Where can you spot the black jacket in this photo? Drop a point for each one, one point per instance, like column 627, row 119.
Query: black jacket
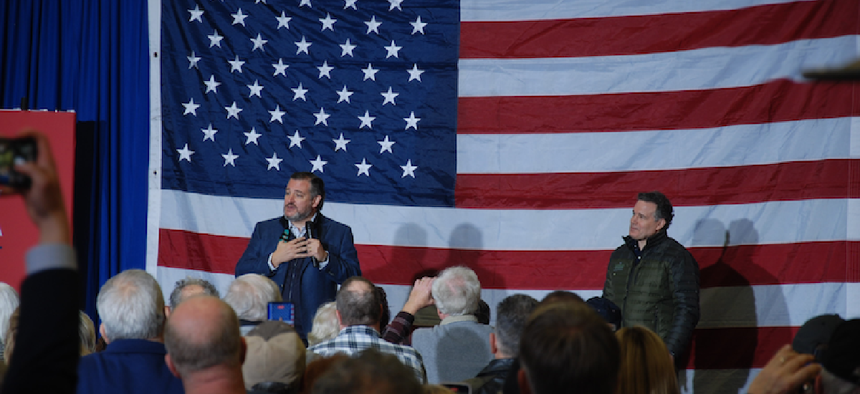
column 659, row 291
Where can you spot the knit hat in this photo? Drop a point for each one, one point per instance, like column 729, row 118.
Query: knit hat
column 815, row 332
column 842, row 357
column 275, row 354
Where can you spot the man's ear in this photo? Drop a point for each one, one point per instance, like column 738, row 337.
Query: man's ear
column 166, row 311
column 316, row 202
column 660, row 224
column 102, row 332
column 523, row 381
column 493, row 347
column 339, row 319
column 170, row 366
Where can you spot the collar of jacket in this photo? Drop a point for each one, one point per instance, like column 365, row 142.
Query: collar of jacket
column 652, row 241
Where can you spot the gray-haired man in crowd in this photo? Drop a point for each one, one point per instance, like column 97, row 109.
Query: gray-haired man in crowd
column 187, row 288
column 131, row 307
column 459, row 347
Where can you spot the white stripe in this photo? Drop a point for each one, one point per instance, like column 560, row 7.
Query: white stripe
column 740, row 145
column 773, row 222
column 153, row 212
column 853, row 221
column 517, row 10
column 852, row 294
column 760, row 306
column 696, row 69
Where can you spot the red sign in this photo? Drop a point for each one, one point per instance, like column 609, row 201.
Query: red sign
column 17, row 232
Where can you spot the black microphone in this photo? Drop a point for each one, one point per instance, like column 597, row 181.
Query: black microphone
column 309, row 235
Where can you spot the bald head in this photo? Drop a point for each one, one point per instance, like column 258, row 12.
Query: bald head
column 202, row 332
column 358, row 303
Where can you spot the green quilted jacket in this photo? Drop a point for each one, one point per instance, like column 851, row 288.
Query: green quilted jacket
column 660, row 292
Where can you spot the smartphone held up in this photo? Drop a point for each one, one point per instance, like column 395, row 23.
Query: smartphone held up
column 14, row 151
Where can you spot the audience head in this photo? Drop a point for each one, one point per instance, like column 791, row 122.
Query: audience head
column 203, row 332
column 86, row 333
column 12, row 331
column 456, row 291
column 317, row 368
column 325, row 325
column 841, row 360
column 646, row 364
column 567, row 348
column 561, row 296
column 385, row 318
column 371, row 372
column 436, row 389
column 358, row 303
column 610, row 312
column 189, row 287
column 814, row 335
column 131, row 306
column 483, row 312
column 8, row 303
column 250, row 294
column 511, row 316
column 275, row 354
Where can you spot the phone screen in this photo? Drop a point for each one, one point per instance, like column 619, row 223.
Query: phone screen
column 15, row 151
column 283, row 311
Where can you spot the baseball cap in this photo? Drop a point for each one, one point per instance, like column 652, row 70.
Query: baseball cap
column 842, row 357
column 815, row 332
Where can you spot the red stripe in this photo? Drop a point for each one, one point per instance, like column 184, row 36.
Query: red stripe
column 810, row 262
column 737, row 348
column 627, row 35
column 774, row 101
column 688, row 187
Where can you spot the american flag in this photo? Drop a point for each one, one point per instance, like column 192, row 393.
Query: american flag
column 512, row 136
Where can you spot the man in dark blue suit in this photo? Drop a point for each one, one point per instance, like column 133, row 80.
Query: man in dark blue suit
column 304, row 252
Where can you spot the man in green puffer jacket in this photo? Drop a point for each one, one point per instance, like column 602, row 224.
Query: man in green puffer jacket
column 653, row 278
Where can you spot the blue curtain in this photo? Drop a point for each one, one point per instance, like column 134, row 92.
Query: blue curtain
column 90, row 56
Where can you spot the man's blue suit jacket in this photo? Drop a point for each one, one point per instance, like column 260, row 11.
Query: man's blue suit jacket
column 318, row 286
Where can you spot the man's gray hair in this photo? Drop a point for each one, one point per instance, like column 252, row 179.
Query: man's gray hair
column 250, row 294
column 832, row 384
column 457, row 291
column 511, row 316
column 131, row 306
column 176, row 296
column 8, row 302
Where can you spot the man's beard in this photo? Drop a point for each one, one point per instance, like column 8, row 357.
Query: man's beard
column 299, row 214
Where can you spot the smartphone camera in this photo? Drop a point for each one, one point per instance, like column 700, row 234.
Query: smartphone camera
column 14, row 151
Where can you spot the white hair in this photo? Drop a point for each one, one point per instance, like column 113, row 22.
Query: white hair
column 325, row 325
column 8, row 302
column 457, row 291
column 250, row 294
column 131, row 306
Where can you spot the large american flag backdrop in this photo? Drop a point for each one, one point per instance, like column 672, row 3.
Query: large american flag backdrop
column 513, row 135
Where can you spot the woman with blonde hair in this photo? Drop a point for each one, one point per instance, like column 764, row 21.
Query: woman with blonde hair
column 646, row 364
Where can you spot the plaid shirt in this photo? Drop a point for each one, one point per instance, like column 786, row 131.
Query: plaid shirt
column 354, row 339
